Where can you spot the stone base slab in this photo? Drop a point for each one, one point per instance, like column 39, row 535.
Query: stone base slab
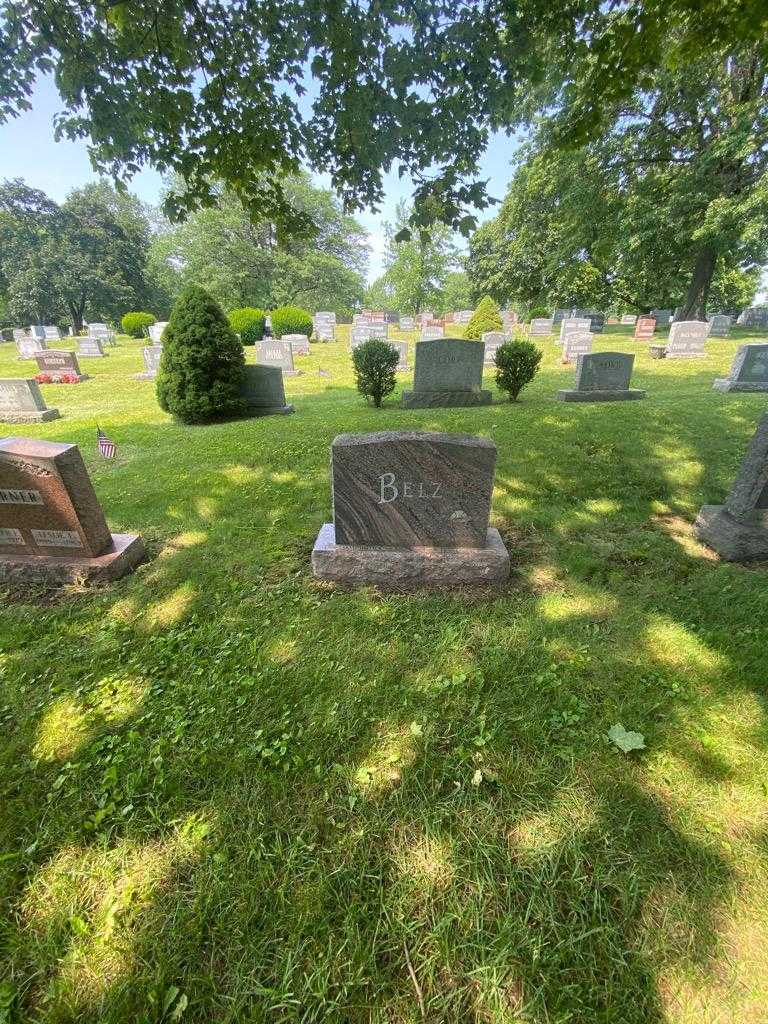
column 292, row 373
column 270, row 410
column 409, row 568
column 734, row 540
column 726, row 384
column 628, row 395
column 145, row 376
column 33, row 416
column 444, row 399
column 54, row 570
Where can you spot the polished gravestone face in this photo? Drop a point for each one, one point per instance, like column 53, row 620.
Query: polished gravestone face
column 604, row 371
column 576, row 343
column 89, row 348
column 645, row 327
column 448, row 364
column 58, row 362
column 299, row 343
column 403, row 489
column 22, row 402
column 751, row 364
column 264, row 391
column 271, row 352
column 719, row 326
column 574, row 325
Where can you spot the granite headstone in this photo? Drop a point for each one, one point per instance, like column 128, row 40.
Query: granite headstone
column 22, row 402
column 29, row 347
column 58, row 363
column 719, row 325
column 90, row 348
column 299, row 343
column 448, row 372
column 541, row 326
column 151, row 354
column 686, row 339
column 264, row 392
column 430, row 333
column 645, row 327
column 272, row 352
column 602, row 377
column 492, row 342
column 749, row 371
column 576, row 343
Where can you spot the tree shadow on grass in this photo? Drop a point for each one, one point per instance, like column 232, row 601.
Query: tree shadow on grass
column 286, row 772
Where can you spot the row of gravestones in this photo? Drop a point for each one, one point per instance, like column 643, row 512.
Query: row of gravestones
column 448, row 373
column 410, row 509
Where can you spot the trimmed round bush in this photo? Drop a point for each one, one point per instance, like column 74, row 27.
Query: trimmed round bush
column 248, row 323
column 136, row 324
column 487, row 317
column 291, row 320
column 202, row 368
column 374, row 363
column 516, row 365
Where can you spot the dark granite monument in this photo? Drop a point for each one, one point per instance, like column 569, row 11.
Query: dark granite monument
column 603, row 377
column 749, row 371
column 264, row 391
column 59, row 363
column 52, row 528
column 448, row 372
column 22, row 402
column 719, row 325
column 738, row 530
column 410, row 509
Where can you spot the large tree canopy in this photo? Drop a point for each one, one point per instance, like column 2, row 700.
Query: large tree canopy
column 672, row 197
column 215, row 91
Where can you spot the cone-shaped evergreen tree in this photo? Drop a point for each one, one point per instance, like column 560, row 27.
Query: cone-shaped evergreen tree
column 487, row 317
column 202, row 368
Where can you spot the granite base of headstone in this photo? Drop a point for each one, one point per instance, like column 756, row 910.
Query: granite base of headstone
column 749, row 371
column 264, row 391
column 410, row 511
column 448, row 372
column 52, row 528
column 738, row 530
column 602, row 377
column 22, row 402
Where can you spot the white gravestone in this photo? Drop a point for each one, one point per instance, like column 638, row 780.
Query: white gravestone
column 493, row 340
column 576, row 344
column 686, row 339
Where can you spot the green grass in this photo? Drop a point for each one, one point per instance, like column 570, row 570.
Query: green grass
column 230, row 793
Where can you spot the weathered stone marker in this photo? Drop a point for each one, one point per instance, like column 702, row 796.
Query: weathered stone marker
column 661, row 316
column 151, row 354
column 574, row 325
column 401, row 347
column 299, row 343
column 645, row 327
column 52, row 528
column 719, row 325
column 541, row 326
column 264, row 391
column 90, row 348
column 430, row 333
column 686, row 339
column 271, row 352
column 410, row 509
column 629, row 319
column 155, row 332
column 59, row 363
column 492, row 342
column 576, row 343
column 754, row 316
column 749, row 371
column 407, row 323
column 22, row 402
column 738, row 530
column 448, row 372
column 602, row 377
column 29, row 347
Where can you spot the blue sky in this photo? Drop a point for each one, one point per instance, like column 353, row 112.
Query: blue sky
column 28, row 150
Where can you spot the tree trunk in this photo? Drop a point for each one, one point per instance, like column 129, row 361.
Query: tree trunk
column 695, row 305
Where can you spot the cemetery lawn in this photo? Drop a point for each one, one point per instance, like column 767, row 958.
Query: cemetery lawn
column 230, row 793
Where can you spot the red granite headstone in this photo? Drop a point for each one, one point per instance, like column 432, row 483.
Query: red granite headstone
column 645, row 327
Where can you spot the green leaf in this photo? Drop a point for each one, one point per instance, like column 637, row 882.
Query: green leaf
column 624, row 740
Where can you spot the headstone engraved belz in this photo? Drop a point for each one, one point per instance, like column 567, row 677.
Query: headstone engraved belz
column 447, row 372
column 738, row 530
column 411, row 509
column 645, row 327
column 264, row 392
column 749, row 371
column 272, row 352
column 52, row 528
column 22, row 402
column 602, row 377
column 151, row 355
column 576, row 343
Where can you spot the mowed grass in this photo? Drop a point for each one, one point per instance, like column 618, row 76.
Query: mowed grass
column 230, row 793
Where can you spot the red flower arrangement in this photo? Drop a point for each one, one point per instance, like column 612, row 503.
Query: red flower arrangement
column 64, row 378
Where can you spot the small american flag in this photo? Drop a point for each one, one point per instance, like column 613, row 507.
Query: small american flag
column 107, row 448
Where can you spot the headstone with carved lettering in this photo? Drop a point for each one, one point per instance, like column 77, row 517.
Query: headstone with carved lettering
column 430, row 333
column 574, row 325
column 52, row 528
column 151, row 354
column 719, row 325
column 541, row 327
column 28, row 347
column 411, row 509
column 407, row 323
column 645, row 327
column 448, row 372
column 299, row 343
column 22, row 402
column 378, row 329
column 738, row 530
column 90, row 348
column 52, row 333
column 754, row 316
column 324, row 325
column 274, row 352
column 602, row 377
column 686, row 339
column 492, row 342
column 661, row 316
column 58, row 364
column 576, row 343
column 749, row 371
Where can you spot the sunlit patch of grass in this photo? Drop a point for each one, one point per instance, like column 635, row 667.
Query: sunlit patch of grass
column 172, row 608
column 677, row 646
column 393, row 751
column 425, row 859
column 572, row 811
column 282, row 650
column 61, row 731
column 187, row 539
column 559, row 607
